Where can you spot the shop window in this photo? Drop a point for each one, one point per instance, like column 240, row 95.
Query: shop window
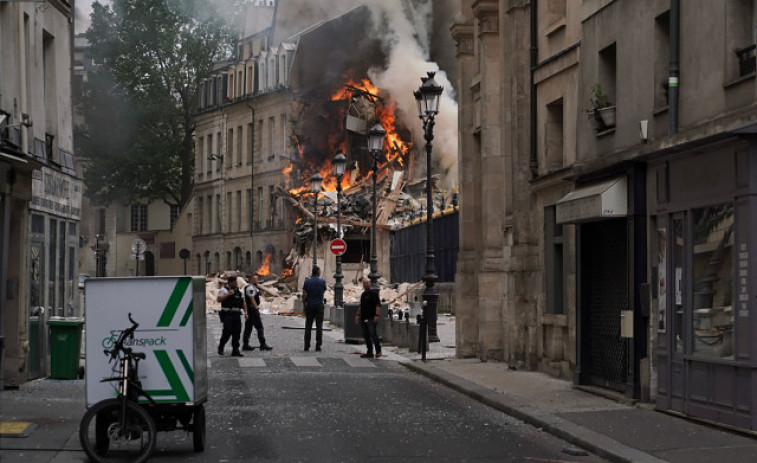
column 678, row 289
column 712, row 280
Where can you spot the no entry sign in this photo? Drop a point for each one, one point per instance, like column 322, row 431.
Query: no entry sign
column 338, row 247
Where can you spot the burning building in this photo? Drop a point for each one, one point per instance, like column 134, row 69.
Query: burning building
column 277, row 114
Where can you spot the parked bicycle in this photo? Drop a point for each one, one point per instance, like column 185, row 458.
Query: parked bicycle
column 120, row 429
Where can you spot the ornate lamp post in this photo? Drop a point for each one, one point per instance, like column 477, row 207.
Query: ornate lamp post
column 375, row 145
column 316, row 181
column 340, row 163
column 427, row 98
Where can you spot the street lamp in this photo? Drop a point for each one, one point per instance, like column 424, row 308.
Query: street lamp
column 427, row 99
column 316, row 181
column 340, row 163
column 375, row 145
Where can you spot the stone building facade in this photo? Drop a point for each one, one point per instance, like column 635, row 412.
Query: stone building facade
column 607, row 149
column 40, row 193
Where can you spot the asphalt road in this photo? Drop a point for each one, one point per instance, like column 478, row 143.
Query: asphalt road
column 332, row 406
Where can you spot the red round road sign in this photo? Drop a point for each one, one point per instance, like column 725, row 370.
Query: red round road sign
column 338, row 247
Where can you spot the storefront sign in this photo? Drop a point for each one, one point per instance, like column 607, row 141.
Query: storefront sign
column 56, row 193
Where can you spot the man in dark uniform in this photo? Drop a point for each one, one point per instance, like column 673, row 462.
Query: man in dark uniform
column 252, row 297
column 367, row 317
column 312, row 297
column 232, row 308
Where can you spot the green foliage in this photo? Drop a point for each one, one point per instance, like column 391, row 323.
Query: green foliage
column 599, row 98
column 138, row 103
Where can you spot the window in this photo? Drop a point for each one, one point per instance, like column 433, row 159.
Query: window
column 553, row 136
column 218, row 151
column 259, row 146
column 239, row 145
column 201, row 158
column 607, row 71
column 174, row 213
column 740, row 41
column 138, row 217
column 661, row 59
column 230, row 149
column 251, row 153
column 218, row 213
column 249, row 209
column 556, row 260
column 100, row 221
column 712, row 280
column 272, row 205
column 283, row 125
column 200, row 216
column 229, row 215
column 260, row 208
column 239, row 210
column 209, row 204
column 208, row 152
column 271, row 135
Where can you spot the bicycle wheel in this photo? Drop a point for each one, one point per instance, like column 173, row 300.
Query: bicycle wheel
column 105, row 440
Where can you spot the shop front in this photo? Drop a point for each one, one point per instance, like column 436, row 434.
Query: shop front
column 609, row 214
column 703, row 281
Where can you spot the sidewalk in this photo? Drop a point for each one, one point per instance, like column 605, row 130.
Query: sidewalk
column 619, row 432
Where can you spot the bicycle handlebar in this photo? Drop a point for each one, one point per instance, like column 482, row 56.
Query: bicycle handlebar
column 119, row 344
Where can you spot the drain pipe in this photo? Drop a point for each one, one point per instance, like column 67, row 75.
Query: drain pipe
column 675, row 16
column 533, row 162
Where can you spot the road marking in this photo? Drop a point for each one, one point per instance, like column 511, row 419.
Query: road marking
column 306, row 361
column 251, row 362
column 357, row 362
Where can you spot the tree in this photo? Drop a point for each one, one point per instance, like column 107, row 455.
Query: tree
column 138, row 103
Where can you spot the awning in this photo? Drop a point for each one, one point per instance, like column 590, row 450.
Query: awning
column 591, row 202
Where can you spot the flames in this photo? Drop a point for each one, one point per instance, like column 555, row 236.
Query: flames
column 395, row 149
column 265, row 267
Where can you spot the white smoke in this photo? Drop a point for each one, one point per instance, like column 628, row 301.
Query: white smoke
column 407, row 39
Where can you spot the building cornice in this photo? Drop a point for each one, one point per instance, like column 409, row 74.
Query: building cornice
column 462, row 34
column 487, row 12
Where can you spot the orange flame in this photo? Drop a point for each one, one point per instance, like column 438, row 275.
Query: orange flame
column 395, row 148
column 286, row 273
column 265, row 267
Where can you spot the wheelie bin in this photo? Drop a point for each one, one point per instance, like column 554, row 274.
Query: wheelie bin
column 65, row 346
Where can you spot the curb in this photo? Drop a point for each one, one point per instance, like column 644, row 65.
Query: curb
column 592, row 441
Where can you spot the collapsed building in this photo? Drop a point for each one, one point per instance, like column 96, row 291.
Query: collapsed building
column 277, row 114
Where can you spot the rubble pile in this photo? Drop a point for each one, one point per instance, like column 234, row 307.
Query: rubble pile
column 280, row 298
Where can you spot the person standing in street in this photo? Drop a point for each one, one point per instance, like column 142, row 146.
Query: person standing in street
column 367, row 317
column 232, row 308
column 252, row 298
column 312, row 297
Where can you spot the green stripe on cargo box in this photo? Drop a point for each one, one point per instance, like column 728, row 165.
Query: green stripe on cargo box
column 172, row 306
column 171, row 375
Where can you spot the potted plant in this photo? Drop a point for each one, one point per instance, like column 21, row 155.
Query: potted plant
column 604, row 110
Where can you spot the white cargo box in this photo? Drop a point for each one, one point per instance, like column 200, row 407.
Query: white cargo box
column 172, row 333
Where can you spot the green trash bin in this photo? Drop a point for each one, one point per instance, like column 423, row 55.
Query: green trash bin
column 65, row 345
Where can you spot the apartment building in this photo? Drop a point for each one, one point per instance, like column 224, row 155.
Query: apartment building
column 40, row 193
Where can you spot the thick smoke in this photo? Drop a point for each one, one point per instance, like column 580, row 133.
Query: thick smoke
column 404, row 28
column 406, row 39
